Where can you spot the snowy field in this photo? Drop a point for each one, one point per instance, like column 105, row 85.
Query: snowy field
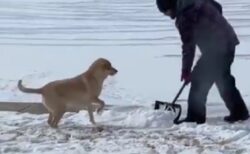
column 45, row 40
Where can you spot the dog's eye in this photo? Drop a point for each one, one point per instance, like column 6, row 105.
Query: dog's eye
column 105, row 66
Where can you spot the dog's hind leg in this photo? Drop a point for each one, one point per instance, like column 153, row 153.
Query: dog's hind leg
column 57, row 115
column 56, row 119
column 51, row 117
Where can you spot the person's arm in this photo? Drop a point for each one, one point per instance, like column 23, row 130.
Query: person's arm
column 186, row 30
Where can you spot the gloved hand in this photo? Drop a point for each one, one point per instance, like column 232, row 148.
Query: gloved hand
column 186, row 76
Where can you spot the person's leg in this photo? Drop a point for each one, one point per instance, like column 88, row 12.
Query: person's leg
column 201, row 82
column 229, row 92
column 232, row 98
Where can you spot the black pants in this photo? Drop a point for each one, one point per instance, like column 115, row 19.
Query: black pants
column 210, row 69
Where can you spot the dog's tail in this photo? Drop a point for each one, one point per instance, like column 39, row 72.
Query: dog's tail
column 28, row 90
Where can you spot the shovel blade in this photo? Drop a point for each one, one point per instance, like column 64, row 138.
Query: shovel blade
column 159, row 104
column 176, row 108
column 167, row 106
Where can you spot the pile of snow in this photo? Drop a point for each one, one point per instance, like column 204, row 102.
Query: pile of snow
column 140, row 117
column 134, row 130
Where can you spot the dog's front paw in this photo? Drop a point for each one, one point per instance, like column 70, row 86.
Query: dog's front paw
column 100, row 111
column 101, row 107
column 93, row 122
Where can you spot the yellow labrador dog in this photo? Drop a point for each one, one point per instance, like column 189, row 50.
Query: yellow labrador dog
column 74, row 94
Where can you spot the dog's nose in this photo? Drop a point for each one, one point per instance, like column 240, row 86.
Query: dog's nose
column 115, row 71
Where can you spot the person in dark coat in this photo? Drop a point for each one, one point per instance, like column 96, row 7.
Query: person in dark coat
column 201, row 23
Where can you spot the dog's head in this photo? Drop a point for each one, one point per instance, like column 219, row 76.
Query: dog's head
column 103, row 67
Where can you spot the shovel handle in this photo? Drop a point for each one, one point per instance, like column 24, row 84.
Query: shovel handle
column 179, row 92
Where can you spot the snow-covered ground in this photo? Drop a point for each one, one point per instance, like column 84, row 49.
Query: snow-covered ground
column 53, row 39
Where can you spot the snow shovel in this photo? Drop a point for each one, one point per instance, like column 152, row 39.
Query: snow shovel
column 172, row 106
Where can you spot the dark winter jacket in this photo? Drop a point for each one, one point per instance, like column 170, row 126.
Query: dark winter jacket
column 200, row 22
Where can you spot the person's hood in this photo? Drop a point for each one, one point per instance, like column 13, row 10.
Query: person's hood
column 182, row 4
